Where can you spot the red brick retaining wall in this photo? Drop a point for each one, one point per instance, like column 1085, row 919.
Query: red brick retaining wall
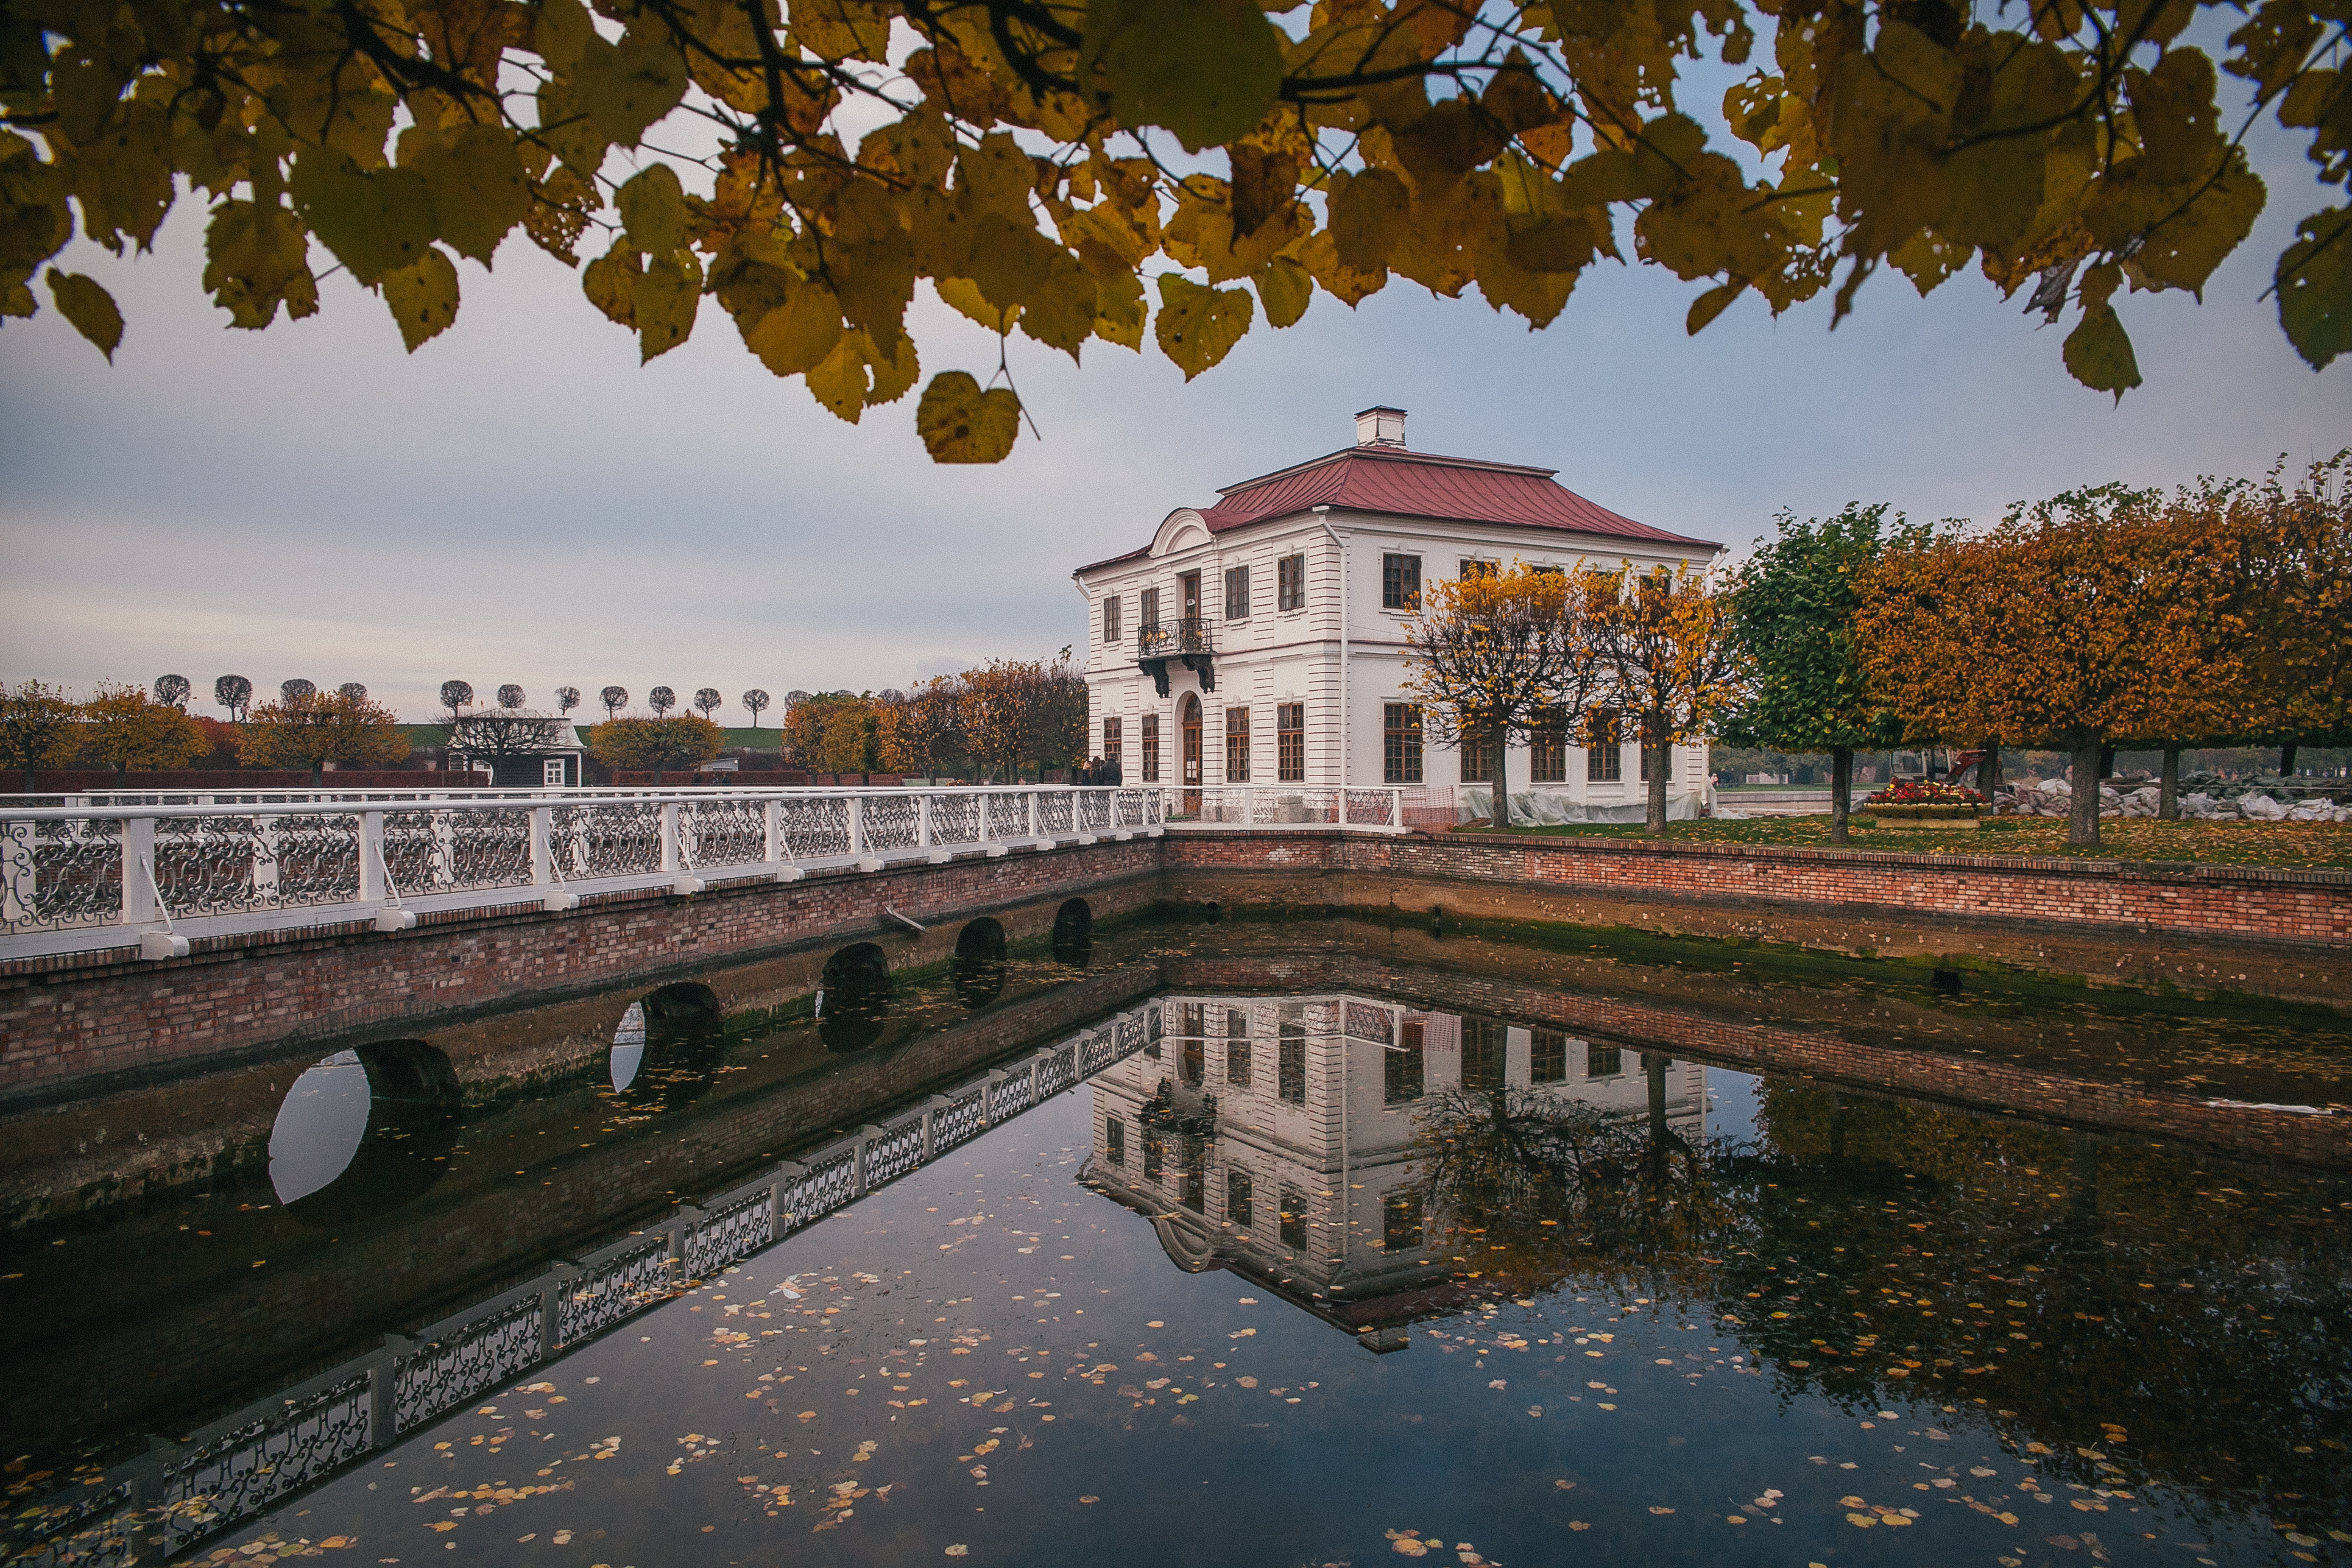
column 2228, row 901
column 94, row 1019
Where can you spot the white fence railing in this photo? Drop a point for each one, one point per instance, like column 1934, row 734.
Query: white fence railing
column 242, row 1465
column 158, row 870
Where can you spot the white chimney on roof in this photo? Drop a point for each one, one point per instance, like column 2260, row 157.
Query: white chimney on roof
column 1380, row 426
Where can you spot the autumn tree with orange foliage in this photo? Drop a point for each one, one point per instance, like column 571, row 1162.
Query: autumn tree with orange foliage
column 124, row 727
column 1665, row 642
column 2298, row 547
column 1495, row 655
column 2096, row 615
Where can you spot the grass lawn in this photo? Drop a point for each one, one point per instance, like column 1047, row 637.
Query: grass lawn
column 2293, row 844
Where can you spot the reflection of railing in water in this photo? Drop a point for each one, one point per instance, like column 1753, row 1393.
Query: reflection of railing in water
column 241, row 1465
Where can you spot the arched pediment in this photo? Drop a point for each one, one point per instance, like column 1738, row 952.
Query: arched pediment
column 1183, row 529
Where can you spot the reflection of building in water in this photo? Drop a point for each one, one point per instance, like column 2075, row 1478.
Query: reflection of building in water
column 1273, row 1135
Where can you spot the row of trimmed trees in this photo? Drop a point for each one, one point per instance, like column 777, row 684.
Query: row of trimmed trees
column 127, row 729
column 2099, row 618
column 1534, row 650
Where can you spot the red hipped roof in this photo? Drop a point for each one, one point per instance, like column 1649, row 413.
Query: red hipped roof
column 1395, row 481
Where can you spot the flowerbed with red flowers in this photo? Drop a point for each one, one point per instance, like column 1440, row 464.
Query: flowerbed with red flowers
column 1926, row 792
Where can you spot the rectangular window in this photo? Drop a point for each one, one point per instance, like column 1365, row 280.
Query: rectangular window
column 1475, row 568
column 1400, row 743
column 1293, row 1218
column 1290, row 742
column 1237, row 1063
column 1290, row 583
column 1110, row 619
column 1477, row 759
column 1546, row 1057
column 1400, row 582
column 1111, row 736
column 1669, row 754
column 1115, row 1141
column 1290, row 1064
column 1196, row 1193
column 1400, row 1221
column 1237, row 745
column 1237, row 593
column 1237, row 1196
column 1604, row 755
column 1146, row 609
column 1547, row 750
column 1548, row 570
column 1401, row 1070
column 1155, row 1156
column 1602, row 1061
column 1483, row 1046
column 1152, row 748
column 1194, row 1024
column 1195, row 1061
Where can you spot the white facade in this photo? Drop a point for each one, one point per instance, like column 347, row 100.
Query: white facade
column 1338, row 654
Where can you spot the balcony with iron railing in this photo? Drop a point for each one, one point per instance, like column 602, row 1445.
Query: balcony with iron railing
column 1165, row 639
column 1188, row 640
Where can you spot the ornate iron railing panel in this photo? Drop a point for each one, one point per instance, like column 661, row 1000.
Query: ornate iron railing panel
column 1008, row 815
column 60, row 873
column 1053, row 812
column 962, row 1118
column 1056, row 1071
column 440, row 1376
column 90, row 1527
column 1365, row 1022
column 1012, row 1094
column 892, row 822
column 742, row 1228
column 244, row 1472
column 898, row 1151
column 605, row 838
column 816, row 828
column 484, row 848
column 824, row 1186
column 731, row 831
column 613, row 1288
column 955, row 818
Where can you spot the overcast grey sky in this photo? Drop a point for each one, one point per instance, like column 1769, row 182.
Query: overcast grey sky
column 521, row 501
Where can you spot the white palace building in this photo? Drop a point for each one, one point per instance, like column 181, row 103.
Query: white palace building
column 1261, row 640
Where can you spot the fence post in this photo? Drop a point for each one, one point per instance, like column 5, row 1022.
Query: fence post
column 923, row 820
column 372, row 871
column 771, row 825
column 383, row 1390
column 552, row 1291
column 931, row 1108
column 787, row 1173
column 996, row 1076
column 542, row 861
column 138, row 870
column 669, row 836
column 682, row 1226
column 858, row 826
column 1032, row 798
column 865, row 1136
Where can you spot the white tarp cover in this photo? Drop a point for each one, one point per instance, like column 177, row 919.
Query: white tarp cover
column 1548, row 808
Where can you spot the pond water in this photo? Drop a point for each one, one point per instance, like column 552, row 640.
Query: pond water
column 1373, row 1254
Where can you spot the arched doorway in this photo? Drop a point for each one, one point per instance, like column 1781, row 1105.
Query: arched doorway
column 1188, row 718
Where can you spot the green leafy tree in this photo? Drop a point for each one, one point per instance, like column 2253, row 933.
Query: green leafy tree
column 1792, row 608
column 1170, row 169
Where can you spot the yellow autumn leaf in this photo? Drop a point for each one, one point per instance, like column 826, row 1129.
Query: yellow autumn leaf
column 423, row 298
column 1198, row 326
column 960, row 424
column 85, row 302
